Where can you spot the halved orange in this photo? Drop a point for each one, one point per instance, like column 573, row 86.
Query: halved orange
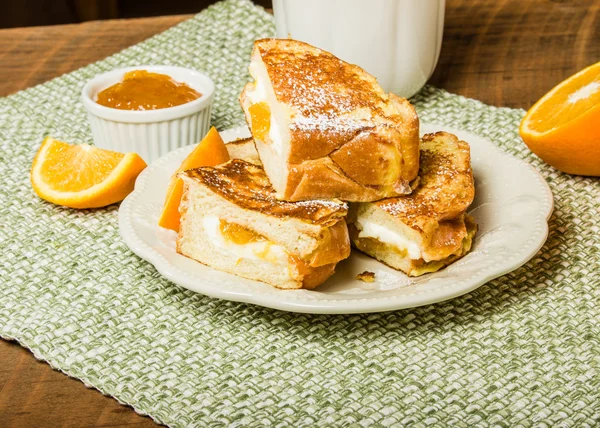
column 83, row 176
column 563, row 127
column 210, row 151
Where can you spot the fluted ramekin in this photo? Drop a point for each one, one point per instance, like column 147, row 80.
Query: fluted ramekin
column 149, row 133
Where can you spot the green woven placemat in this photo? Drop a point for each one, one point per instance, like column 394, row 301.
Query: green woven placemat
column 522, row 350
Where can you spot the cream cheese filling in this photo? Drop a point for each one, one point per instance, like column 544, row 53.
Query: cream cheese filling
column 387, row 236
column 259, row 250
column 277, row 134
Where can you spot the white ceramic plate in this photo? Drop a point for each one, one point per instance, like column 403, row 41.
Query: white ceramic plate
column 512, row 206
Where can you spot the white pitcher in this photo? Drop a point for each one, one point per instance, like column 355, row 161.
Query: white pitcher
column 397, row 41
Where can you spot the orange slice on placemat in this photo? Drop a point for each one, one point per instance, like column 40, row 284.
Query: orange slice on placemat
column 210, row 152
column 83, row 176
column 563, row 127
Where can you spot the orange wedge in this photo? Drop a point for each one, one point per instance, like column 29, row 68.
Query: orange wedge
column 83, row 176
column 210, row 152
column 563, row 127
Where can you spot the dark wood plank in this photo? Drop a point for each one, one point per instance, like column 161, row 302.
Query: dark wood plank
column 29, row 56
column 511, row 52
column 34, row 395
column 504, row 52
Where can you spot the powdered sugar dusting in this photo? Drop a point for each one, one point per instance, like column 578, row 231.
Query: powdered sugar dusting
column 320, row 203
column 322, row 123
column 317, row 85
column 446, row 187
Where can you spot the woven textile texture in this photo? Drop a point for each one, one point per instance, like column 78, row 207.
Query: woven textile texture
column 522, row 350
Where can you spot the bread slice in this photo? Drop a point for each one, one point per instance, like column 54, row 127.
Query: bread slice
column 243, row 148
column 428, row 229
column 231, row 221
column 325, row 128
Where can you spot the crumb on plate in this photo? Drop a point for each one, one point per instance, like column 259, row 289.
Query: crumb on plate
column 366, row 276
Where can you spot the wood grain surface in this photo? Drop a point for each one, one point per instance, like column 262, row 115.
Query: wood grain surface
column 33, row 55
column 502, row 52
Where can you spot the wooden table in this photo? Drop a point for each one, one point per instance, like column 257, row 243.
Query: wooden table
column 504, row 52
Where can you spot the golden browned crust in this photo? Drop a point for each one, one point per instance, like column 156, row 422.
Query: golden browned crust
column 348, row 139
column 309, row 277
column 410, row 135
column 446, row 187
column 446, row 238
column 355, row 172
column 334, row 246
column 322, row 178
column 318, row 177
column 420, row 267
column 247, row 186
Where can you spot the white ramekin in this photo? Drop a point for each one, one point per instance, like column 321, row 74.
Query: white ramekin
column 149, row 133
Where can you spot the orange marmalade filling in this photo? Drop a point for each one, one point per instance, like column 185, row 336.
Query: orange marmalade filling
column 302, row 267
column 260, row 116
column 143, row 90
column 239, row 234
